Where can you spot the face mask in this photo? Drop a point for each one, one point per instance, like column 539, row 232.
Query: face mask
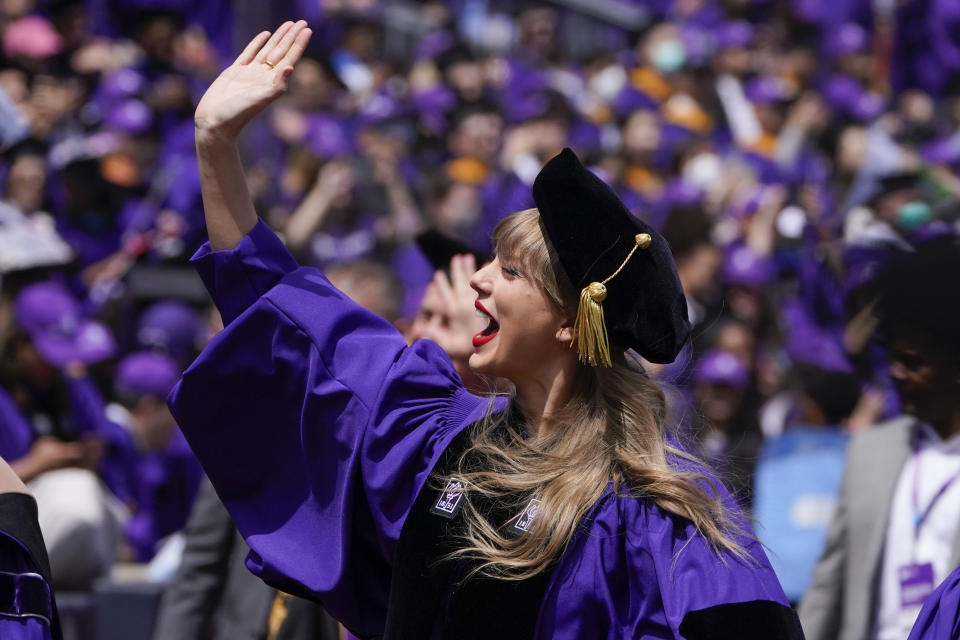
column 668, row 56
column 913, row 214
column 702, row 170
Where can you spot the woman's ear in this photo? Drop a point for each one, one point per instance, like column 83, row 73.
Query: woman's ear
column 566, row 334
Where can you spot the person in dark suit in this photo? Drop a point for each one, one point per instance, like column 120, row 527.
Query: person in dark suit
column 213, row 595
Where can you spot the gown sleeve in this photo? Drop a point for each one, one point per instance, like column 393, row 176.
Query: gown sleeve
column 316, row 424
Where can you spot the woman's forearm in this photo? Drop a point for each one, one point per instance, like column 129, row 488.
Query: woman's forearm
column 227, row 206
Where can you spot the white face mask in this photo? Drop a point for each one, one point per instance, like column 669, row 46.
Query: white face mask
column 668, row 56
column 608, row 83
column 702, row 170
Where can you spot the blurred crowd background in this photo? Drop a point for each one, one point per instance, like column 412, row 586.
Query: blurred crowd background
column 787, row 149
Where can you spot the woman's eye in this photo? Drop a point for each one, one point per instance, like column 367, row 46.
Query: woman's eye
column 510, row 271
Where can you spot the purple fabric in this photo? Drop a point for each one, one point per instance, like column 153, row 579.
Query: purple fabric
column 356, row 421
column 15, row 559
column 940, row 617
column 166, row 484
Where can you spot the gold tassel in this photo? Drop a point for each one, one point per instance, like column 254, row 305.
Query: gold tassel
column 593, row 344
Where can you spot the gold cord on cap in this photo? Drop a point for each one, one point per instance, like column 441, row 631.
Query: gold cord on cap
column 593, row 345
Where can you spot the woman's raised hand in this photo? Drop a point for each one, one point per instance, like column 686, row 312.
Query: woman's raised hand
column 255, row 79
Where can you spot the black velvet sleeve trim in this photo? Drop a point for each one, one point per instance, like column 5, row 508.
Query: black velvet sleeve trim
column 754, row 620
column 18, row 518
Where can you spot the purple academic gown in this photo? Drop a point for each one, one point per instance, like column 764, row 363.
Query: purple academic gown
column 318, row 426
column 940, row 617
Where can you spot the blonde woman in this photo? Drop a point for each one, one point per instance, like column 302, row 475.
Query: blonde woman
column 364, row 475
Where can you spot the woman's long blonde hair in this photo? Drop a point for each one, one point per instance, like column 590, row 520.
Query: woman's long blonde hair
column 611, row 430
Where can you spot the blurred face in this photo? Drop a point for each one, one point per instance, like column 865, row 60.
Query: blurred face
column 926, row 382
column 526, row 333
column 718, row 402
column 467, row 79
column 478, row 136
column 431, row 317
column 26, row 183
column 641, row 134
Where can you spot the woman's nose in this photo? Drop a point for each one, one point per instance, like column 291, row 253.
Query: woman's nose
column 480, row 281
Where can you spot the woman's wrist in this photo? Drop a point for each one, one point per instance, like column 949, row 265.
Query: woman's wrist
column 208, row 136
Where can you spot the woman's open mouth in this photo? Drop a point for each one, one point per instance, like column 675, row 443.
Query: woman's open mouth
column 490, row 332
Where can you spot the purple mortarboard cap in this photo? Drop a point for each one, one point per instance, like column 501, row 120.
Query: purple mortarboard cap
column 52, row 318
column 131, row 117
column 696, row 42
column 681, row 193
column 943, row 151
column 434, row 44
column 847, row 95
column 733, row 35
column 380, row 107
column 840, row 90
column 146, row 373
column 809, row 11
column 846, row 39
column 524, row 106
column 631, row 99
column 808, row 343
column 433, row 105
column 122, row 83
column 169, row 326
column 867, row 106
column 744, row 267
column 722, row 367
column 768, row 90
column 326, row 136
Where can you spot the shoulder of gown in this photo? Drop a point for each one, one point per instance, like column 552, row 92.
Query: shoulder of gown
column 638, row 571
column 316, row 424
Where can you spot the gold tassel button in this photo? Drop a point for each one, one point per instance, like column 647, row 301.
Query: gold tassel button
column 597, row 291
column 593, row 345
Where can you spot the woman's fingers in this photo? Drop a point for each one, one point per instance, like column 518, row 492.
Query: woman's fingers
column 276, row 57
column 247, row 55
column 296, row 50
column 272, row 42
column 462, row 268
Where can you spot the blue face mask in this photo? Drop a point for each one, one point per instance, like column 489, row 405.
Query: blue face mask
column 668, row 56
column 913, row 214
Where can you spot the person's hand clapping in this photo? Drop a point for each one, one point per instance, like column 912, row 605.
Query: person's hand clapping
column 256, row 78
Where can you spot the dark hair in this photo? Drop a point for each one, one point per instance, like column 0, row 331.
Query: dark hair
column 835, row 393
column 919, row 299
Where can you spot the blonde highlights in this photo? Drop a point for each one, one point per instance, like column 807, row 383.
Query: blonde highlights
column 611, row 431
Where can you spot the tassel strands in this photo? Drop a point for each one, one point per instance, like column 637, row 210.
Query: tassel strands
column 593, row 344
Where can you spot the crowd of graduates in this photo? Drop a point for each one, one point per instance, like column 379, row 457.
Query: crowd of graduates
column 786, row 149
